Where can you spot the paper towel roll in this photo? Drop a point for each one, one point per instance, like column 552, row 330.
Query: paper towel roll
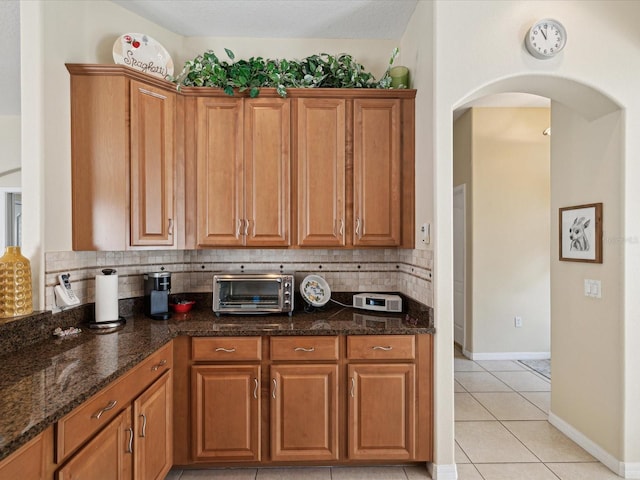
column 106, row 298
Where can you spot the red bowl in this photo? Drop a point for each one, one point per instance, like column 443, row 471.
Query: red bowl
column 182, row 307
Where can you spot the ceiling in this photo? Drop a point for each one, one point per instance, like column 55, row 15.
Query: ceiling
column 380, row 19
column 383, row 19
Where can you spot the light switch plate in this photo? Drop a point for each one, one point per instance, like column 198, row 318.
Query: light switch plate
column 592, row 288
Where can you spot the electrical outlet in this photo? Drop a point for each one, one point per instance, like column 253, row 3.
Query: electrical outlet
column 517, row 321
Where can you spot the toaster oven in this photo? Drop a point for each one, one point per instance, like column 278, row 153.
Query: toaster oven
column 253, row 293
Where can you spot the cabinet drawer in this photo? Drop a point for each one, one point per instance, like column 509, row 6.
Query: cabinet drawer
column 83, row 422
column 226, row 349
column 381, row 347
column 304, row 348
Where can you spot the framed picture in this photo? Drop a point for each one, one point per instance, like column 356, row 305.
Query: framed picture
column 581, row 233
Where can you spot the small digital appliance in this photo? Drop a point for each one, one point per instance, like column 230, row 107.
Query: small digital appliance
column 380, row 302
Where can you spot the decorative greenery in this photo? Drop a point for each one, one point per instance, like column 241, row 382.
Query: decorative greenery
column 319, row 71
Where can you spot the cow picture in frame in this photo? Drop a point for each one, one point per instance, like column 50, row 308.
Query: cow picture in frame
column 581, row 233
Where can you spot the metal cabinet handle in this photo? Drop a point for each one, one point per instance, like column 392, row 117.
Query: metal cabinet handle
column 379, row 347
column 238, row 227
column 302, row 349
column 255, row 388
column 130, row 443
column 275, row 385
column 170, row 226
column 358, row 227
column 341, row 227
column 246, row 227
column 353, row 387
column 143, row 431
column 109, row 406
column 158, row 365
column 226, row 350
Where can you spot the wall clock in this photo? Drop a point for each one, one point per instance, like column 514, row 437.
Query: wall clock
column 546, row 38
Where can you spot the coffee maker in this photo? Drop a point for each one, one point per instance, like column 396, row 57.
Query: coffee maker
column 157, row 286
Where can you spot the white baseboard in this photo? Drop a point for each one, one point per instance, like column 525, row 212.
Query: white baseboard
column 625, row 470
column 507, row 355
column 442, row 472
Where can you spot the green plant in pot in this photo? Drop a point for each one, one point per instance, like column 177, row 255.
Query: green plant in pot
column 316, row 71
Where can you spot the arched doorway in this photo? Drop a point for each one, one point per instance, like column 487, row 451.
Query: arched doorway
column 587, row 167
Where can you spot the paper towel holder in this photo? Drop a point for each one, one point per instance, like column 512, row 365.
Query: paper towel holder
column 109, row 323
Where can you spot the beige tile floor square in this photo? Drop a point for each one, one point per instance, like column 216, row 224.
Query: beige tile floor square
column 542, row 400
column 524, row 381
column 310, row 473
column 481, row 382
column 500, row 365
column 466, row 365
column 491, row 442
column 468, row 472
column 368, row 473
column 513, row 471
column 220, row 474
column 457, row 387
column 508, row 406
column 582, row 471
column 468, row 408
column 460, row 456
column 547, row 442
column 417, row 473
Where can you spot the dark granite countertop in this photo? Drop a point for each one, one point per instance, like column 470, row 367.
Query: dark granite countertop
column 47, row 377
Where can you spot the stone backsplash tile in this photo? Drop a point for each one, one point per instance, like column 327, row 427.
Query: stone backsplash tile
column 384, row 270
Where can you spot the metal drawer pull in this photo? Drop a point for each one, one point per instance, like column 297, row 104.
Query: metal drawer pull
column 157, row 366
column 386, row 349
column 353, row 387
column 255, row 388
column 275, row 385
column 143, row 433
column 302, row 349
column 226, row 350
column 109, row 406
column 130, row 445
column 170, row 231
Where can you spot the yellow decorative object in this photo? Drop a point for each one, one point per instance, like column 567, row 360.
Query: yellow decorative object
column 15, row 284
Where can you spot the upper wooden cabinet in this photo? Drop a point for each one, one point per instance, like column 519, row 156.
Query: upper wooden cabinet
column 123, row 160
column 377, row 172
column 242, row 170
column 321, row 155
column 153, row 167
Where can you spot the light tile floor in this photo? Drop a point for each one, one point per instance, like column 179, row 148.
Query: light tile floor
column 502, row 433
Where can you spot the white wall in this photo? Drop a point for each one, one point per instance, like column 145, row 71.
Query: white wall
column 9, row 150
column 471, row 60
column 510, row 223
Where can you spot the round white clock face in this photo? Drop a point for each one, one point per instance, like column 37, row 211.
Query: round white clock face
column 546, row 38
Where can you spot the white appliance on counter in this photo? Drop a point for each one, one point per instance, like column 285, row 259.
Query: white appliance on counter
column 380, row 302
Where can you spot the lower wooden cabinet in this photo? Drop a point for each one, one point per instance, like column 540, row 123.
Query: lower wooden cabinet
column 382, row 404
column 153, row 442
column 108, row 456
column 30, row 461
column 304, row 412
column 225, row 412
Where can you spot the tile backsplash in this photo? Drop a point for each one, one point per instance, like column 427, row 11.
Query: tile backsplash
column 389, row 270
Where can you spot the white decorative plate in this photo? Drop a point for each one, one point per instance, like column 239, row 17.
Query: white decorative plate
column 315, row 290
column 140, row 51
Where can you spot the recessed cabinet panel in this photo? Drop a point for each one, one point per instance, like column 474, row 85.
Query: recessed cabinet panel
column 377, row 172
column 152, row 165
column 304, row 412
column 219, row 171
column 267, row 170
column 321, row 147
column 382, row 411
column 226, row 412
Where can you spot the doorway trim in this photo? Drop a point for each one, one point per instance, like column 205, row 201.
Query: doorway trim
column 461, row 256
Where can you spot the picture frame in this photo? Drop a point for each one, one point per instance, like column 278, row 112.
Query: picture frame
column 581, row 233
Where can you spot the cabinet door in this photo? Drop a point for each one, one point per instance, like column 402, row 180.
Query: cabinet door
column 108, row 456
column 382, row 411
column 152, row 413
column 152, row 165
column 304, row 412
column 321, row 150
column 377, row 172
column 219, row 172
column 267, row 168
column 226, row 412
column 28, row 462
